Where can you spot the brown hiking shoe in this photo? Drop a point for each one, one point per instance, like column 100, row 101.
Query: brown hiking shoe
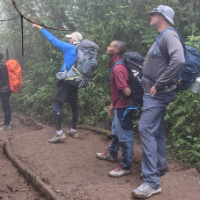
column 106, row 156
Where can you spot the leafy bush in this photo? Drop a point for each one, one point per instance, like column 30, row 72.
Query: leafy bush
column 183, row 126
column 183, row 121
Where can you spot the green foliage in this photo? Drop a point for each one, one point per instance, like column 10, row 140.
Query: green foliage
column 183, row 125
column 194, row 40
column 101, row 21
column 183, row 121
column 198, row 167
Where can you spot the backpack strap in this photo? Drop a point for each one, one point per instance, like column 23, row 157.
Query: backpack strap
column 125, row 112
column 181, row 38
column 163, row 52
column 111, row 71
column 116, row 63
column 159, row 36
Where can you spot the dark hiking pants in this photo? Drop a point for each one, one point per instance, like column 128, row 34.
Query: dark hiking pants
column 6, row 107
column 58, row 114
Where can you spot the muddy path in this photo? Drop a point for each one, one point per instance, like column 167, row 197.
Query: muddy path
column 72, row 171
column 12, row 185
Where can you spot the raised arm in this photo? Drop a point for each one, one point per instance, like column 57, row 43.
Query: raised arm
column 63, row 46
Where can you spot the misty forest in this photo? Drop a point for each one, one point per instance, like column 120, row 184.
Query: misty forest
column 101, row 21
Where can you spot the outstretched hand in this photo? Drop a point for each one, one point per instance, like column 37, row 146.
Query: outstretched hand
column 36, row 26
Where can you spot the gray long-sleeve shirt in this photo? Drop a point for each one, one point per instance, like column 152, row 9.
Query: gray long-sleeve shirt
column 156, row 70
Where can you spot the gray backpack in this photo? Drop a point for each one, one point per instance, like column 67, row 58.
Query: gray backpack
column 83, row 70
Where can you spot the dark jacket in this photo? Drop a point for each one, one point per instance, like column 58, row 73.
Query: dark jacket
column 4, row 81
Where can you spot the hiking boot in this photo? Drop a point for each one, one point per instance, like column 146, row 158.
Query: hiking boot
column 57, row 138
column 118, row 172
column 162, row 172
column 106, row 156
column 144, row 191
column 11, row 123
column 73, row 134
column 5, row 128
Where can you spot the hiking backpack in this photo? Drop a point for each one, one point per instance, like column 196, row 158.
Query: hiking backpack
column 14, row 75
column 133, row 61
column 83, row 70
column 191, row 69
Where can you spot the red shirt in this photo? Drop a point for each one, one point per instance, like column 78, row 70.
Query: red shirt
column 119, row 80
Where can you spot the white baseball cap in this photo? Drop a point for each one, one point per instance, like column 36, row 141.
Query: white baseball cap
column 76, row 36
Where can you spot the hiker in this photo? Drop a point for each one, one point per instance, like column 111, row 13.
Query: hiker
column 120, row 98
column 159, row 84
column 65, row 92
column 5, row 95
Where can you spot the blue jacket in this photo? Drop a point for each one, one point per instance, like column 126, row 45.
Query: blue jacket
column 68, row 50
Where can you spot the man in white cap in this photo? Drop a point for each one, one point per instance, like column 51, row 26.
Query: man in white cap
column 65, row 92
column 75, row 38
column 163, row 62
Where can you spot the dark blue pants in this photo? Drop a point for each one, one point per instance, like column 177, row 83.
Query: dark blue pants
column 124, row 138
column 58, row 114
column 5, row 100
column 152, row 135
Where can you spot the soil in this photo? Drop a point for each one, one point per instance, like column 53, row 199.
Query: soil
column 12, row 185
column 74, row 173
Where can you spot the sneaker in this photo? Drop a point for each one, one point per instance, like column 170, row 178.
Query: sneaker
column 5, row 128
column 11, row 123
column 118, row 172
column 73, row 134
column 144, row 191
column 106, row 156
column 162, row 172
column 57, row 138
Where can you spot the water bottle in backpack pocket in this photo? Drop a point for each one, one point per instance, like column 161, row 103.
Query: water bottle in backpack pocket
column 196, row 86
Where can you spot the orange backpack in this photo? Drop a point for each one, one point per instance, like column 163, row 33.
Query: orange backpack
column 15, row 75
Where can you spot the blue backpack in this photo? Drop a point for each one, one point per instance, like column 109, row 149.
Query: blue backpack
column 191, row 69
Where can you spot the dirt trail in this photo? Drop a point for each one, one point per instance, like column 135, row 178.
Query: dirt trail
column 73, row 171
column 12, row 185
